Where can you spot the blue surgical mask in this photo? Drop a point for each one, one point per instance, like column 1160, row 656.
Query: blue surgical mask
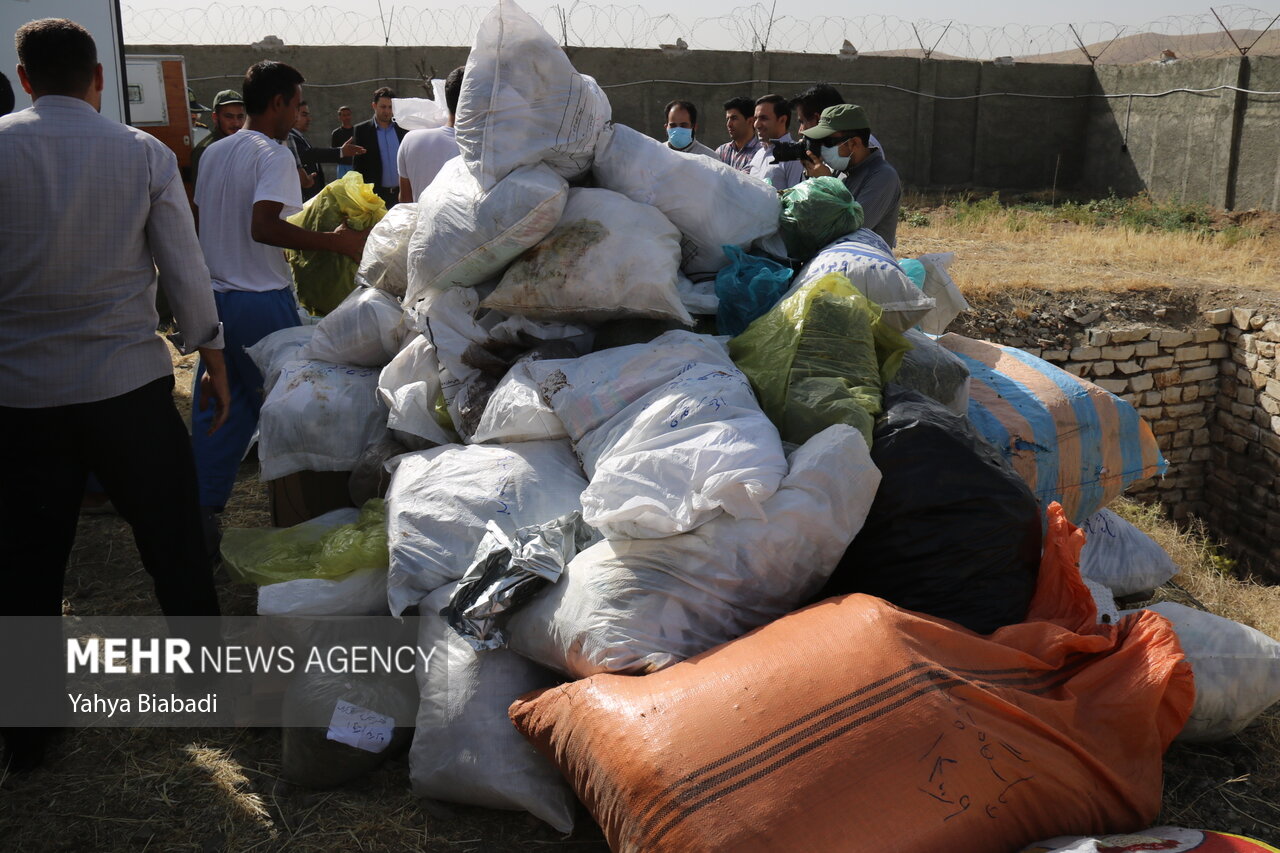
column 680, row 137
column 831, row 156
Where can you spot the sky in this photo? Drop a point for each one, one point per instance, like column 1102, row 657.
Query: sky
column 1132, row 14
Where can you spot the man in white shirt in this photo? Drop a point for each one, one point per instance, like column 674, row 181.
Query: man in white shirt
column 423, row 152
column 248, row 184
column 682, row 127
column 772, row 122
column 95, row 216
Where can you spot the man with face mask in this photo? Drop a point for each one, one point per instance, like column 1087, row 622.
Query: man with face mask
column 844, row 132
column 682, row 124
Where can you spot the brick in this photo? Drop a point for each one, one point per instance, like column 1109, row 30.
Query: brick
column 1055, row 354
column 1275, row 424
column 1131, row 398
column 1152, row 398
column 1098, row 337
column 1190, row 353
column 1195, row 422
column 1170, row 339
column 1271, row 441
column 1075, row 368
column 1218, row 349
column 1164, row 427
column 1190, row 392
column 1265, row 366
column 1202, row 362
column 1158, row 363
column 1128, row 368
column 1204, row 336
column 1146, row 348
column 1240, row 317
column 1141, row 382
column 1269, row 404
column 1185, row 410
column 1235, row 443
column 1165, row 440
column 1259, row 379
column 1201, row 454
column 1180, row 456
column 1200, row 374
column 1172, row 394
column 1266, row 349
column 1129, row 336
column 1240, row 357
column 1271, row 331
column 1240, row 410
column 1208, row 389
column 1260, row 417
column 1233, row 335
column 1102, row 368
column 1248, row 396
column 1257, row 321
column 1249, row 343
column 1115, row 386
column 1086, row 353
column 1168, row 377
column 1273, row 388
column 1121, row 353
column 1218, row 316
column 1151, row 413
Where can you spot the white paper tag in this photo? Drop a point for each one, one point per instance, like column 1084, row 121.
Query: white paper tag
column 360, row 727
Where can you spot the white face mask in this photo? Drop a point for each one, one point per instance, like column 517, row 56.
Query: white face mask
column 831, row 156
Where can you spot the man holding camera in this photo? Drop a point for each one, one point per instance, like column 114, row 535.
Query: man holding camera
column 843, row 134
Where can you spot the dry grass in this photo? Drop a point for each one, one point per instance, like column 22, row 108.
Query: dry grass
column 1023, row 249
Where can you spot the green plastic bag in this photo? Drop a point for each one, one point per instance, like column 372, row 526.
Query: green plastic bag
column 324, row 279
column 268, row 555
column 820, row 357
column 816, row 212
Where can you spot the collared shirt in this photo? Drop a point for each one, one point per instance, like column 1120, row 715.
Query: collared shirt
column 876, row 186
column 92, row 209
column 739, row 159
column 695, row 147
column 388, row 147
column 780, row 176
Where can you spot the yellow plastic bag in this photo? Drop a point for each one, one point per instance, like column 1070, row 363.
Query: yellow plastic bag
column 268, row 555
column 820, row 357
column 325, row 278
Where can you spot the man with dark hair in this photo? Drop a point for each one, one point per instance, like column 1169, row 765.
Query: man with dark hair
column 309, row 158
column 339, row 136
column 772, row 122
column 380, row 138
column 248, row 185
column 422, row 152
column 682, row 126
column 810, row 103
column 228, row 117
column 845, row 135
column 743, row 143
column 95, row 216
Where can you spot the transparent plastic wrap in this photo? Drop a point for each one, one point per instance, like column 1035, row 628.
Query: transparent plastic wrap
column 385, row 262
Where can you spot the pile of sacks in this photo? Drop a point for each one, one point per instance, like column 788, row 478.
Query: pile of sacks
column 587, row 496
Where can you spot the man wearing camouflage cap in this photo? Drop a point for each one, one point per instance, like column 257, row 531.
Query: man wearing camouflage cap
column 228, row 117
column 844, row 132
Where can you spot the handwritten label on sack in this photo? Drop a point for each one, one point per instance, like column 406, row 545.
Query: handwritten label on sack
column 360, row 727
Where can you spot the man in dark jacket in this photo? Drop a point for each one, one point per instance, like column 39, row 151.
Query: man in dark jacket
column 380, row 138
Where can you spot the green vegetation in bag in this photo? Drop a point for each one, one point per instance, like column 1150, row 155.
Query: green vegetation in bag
column 820, row 357
column 274, row 554
column 323, row 278
column 816, row 212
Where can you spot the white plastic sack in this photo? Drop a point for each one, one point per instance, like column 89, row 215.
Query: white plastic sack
column 440, row 500
column 1237, row 670
column 949, row 302
column 517, row 412
column 465, row 749
column 522, row 102
column 409, row 387
column 276, row 350
column 698, row 297
column 318, row 417
column 636, row 606
column 466, row 235
column 422, row 113
column 868, row 262
column 609, row 258
column 1121, row 557
column 934, row 371
column 385, row 262
column 365, row 330
column 712, row 203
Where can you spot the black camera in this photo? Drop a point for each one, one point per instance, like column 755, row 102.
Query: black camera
column 785, row 152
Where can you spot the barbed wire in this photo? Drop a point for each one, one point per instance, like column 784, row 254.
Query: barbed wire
column 1220, row 31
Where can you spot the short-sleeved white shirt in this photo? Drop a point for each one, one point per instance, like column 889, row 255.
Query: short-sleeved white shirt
column 235, row 173
column 422, row 153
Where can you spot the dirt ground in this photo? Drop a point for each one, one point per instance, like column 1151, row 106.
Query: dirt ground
column 220, row 789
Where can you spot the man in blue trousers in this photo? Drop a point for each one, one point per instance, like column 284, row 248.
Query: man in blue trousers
column 248, row 183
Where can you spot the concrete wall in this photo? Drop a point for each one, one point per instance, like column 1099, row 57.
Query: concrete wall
column 961, row 143
column 1221, row 147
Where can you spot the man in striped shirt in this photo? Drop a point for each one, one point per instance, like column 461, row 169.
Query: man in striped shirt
column 743, row 142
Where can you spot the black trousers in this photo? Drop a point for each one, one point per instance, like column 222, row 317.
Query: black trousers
column 138, row 447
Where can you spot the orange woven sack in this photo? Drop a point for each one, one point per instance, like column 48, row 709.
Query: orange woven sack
column 853, row 725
